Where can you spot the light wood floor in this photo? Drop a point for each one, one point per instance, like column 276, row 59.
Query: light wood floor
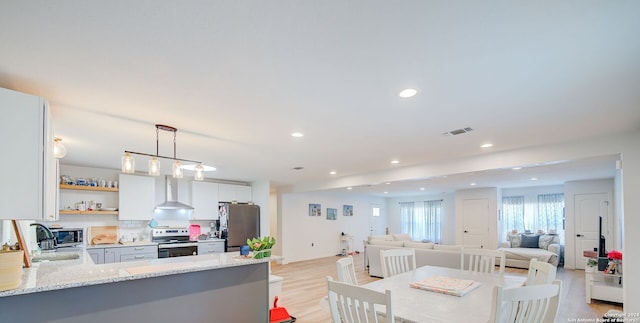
column 304, row 285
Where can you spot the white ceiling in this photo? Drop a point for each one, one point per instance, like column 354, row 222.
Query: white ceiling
column 237, row 77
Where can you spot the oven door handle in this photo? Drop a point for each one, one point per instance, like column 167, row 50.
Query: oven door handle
column 177, row 245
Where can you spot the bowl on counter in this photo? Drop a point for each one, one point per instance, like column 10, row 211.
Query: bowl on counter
column 108, row 209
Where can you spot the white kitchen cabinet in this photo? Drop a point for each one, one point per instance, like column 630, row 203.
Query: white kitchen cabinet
column 204, row 199
column 137, row 253
column 97, row 254
column 232, row 192
column 136, row 197
column 29, row 168
column 208, row 247
column 122, row 254
column 111, row 255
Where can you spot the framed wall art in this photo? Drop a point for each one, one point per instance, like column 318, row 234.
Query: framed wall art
column 347, row 210
column 332, row 214
column 315, row 210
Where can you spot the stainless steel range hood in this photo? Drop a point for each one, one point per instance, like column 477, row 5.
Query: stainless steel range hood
column 171, row 202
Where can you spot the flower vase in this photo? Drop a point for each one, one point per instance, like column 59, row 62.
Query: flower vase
column 259, row 254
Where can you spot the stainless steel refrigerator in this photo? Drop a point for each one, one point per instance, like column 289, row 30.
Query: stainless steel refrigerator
column 241, row 222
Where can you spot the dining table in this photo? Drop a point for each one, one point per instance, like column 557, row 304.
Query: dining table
column 421, row 306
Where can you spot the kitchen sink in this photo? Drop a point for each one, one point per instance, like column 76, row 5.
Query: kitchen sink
column 58, row 254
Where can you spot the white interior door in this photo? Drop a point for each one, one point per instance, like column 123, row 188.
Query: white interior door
column 476, row 222
column 588, row 207
column 377, row 220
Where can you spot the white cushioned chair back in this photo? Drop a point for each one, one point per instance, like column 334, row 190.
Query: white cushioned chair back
column 397, row 261
column 526, row 304
column 482, row 260
column 540, row 273
column 346, row 271
column 354, row 304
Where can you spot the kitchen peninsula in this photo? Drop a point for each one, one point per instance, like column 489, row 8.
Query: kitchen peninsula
column 220, row 287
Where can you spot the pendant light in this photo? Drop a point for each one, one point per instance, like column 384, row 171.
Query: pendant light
column 128, row 163
column 59, row 150
column 199, row 172
column 177, row 169
column 154, row 166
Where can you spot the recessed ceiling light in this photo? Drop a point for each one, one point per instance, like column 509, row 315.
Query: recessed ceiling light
column 333, row 172
column 407, row 93
column 388, row 183
column 473, row 184
column 534, row 178
column 395, row 161
column 349, row 188
column 386, row 192
column 517, row 168
column 422, row 188
column 486, row 146
column 297, row 134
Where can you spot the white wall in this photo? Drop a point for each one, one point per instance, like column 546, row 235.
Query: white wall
column 260, row 196
column 394, row 220
column 307, row 237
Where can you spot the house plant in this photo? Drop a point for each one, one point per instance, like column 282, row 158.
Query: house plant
column 261, row 247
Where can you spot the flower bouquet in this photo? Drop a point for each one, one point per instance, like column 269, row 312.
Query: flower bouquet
column 261, row 247
column 615, row 262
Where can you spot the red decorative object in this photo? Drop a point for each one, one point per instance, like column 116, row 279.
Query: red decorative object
column 615, row 255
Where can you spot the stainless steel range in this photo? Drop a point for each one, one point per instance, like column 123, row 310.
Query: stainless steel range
column 173, row 242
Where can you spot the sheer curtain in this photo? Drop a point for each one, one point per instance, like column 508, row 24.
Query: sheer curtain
column 432, row 216
column 422, row 221
column 551, row 213
column 406, row 217
column 513, row 214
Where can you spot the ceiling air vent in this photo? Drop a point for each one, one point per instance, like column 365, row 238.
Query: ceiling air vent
column 457, row 132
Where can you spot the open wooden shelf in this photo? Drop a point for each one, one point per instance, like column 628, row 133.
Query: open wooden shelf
column 88, row 188
column 88, row 212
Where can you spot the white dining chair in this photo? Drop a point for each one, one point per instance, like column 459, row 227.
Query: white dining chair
column 354, row 304
column 525, row 304
column 540, row 273
column 482, row 260
column 397, row 261
column 346, row 271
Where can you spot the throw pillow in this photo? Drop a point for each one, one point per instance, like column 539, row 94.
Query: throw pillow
column 401, row 237
column 387, row 237
column 546, row 240
column 529, row 241
column 514, row 240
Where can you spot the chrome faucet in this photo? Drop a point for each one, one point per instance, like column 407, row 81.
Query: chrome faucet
column 48, row 242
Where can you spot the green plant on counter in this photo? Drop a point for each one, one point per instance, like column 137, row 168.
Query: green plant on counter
column 592, row 262
column 261, row 247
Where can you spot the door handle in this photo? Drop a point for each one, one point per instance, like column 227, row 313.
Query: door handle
column 579, row 235
column 465, row 231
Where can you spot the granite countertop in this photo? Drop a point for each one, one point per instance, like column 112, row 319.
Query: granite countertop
column 212, row 240
column 120, row 245
column 53, row 275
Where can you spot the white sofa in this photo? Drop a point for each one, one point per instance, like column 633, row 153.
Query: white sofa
column 548, row 250
column 427, row 254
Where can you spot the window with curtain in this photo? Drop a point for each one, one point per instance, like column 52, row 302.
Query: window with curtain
column 422, row 220
column 513, row 213
column 433, row 215
column 406, row 216
column 551, row 213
